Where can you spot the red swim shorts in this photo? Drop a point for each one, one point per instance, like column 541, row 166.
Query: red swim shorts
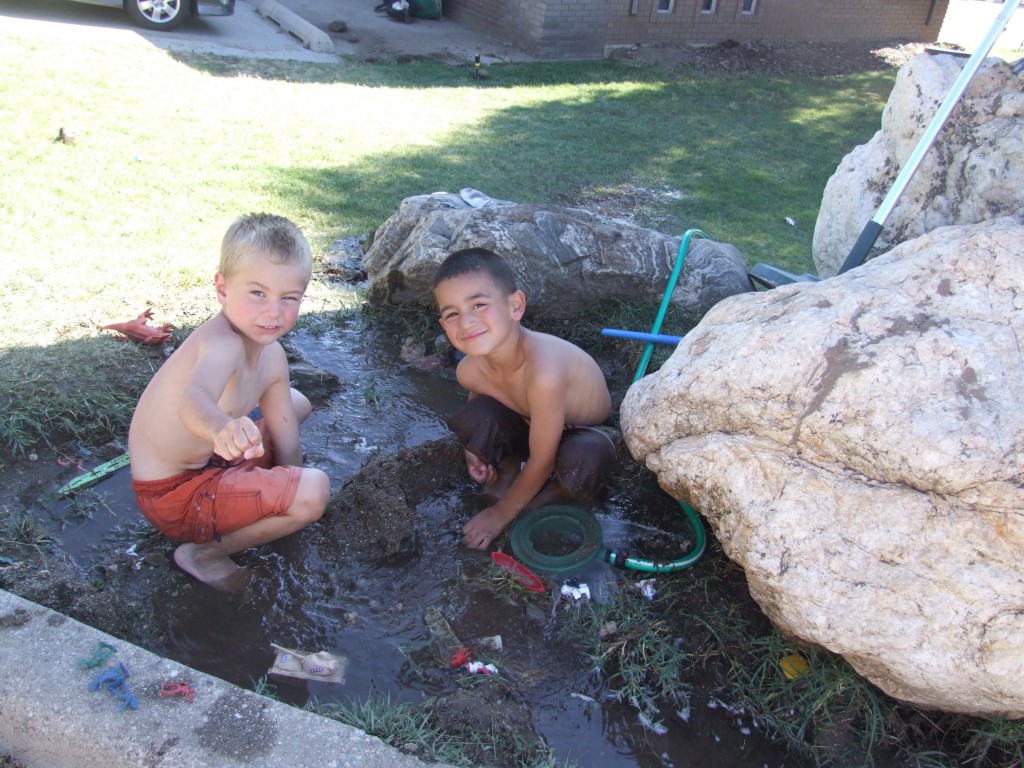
column 202, row 504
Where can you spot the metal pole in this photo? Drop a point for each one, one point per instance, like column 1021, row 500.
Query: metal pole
column 873, row 228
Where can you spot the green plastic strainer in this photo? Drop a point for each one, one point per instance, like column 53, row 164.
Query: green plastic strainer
column 557, row 538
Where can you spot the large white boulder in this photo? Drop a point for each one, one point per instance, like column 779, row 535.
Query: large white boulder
column 858, row 447
column 973, row 171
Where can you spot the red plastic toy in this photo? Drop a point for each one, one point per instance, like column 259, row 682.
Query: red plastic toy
column 179, row 688
column 461, row 656
column 522, row 574
column 140, row 330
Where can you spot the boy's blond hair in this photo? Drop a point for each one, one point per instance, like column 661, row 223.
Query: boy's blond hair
column 265, row 234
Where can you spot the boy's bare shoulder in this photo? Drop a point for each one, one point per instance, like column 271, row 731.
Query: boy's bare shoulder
column 560, row 370
column 274, row 359
column 554, row 352
column 217, row 330
column 466, row 372
column 213, row 337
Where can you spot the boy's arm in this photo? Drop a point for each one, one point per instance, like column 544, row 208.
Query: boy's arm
column 199, row 410
column 479, row 470
column 546, row 398
column 279, row 417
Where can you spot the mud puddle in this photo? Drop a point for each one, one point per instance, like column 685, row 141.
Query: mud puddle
column 360, row 582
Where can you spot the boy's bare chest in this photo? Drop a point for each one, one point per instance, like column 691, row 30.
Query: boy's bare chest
column 242, row 392
column 509, row 389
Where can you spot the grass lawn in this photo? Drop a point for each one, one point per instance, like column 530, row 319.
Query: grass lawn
column 168, row 149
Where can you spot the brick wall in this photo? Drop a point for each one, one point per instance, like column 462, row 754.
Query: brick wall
column 565, row 29
column 519, row 22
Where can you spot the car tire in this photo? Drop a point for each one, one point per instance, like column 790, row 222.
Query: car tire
column 157, row 14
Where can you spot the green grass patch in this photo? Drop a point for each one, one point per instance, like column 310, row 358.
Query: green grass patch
column 827, row 712
column 76, row 390
column 632, row 644
column 415, row 730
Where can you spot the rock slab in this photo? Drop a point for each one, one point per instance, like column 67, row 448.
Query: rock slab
column 565, row 259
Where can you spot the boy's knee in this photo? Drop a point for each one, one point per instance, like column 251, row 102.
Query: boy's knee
column 321, row 490
column 312, row 495
column 303, row 408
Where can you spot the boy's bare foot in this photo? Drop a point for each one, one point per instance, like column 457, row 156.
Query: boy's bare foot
column 239, row 583
column 485, row 526
column 210, row 567
column 552, row 493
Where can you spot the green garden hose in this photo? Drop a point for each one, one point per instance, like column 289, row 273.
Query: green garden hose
column 557, row 522
column 623, row 560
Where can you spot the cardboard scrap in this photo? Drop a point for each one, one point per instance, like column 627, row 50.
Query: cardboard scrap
column 321, row 666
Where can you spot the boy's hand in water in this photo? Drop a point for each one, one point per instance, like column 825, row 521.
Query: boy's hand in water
column 479, row 532
column 239, row 438
column 480, row 470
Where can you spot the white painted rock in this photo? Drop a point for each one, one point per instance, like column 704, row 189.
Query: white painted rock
column 974, row 170
column 858, row 447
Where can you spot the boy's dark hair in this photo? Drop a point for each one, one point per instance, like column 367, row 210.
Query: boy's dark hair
column 472, row 260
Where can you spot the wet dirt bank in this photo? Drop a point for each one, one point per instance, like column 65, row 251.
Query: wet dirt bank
column 363, row 583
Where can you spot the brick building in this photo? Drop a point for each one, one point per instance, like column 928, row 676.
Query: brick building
column 583, row 29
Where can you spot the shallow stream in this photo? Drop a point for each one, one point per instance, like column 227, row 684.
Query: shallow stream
column 374, row 615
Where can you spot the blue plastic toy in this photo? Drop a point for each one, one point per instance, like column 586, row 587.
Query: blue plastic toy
column 114, row 680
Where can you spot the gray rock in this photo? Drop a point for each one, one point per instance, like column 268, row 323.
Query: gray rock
column 565, row 259
column 315, row 383
column 856, row 445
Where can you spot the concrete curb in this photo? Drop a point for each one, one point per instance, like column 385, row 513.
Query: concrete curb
column 311, row 36
column 50, row 719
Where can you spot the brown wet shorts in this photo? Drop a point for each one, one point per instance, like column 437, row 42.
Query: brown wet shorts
column 202, row 504
column 494, row 432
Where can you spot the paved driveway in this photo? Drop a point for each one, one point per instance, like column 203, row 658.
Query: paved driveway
column 373, row 34
column 370, row 34
column 246, row 33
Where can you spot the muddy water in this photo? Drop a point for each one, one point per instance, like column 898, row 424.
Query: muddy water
column 306, row 598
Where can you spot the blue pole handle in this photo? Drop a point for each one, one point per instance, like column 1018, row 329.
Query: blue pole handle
column 655, row 338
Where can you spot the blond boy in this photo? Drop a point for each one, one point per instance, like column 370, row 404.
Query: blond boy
column 206, row 469
column 532, row 429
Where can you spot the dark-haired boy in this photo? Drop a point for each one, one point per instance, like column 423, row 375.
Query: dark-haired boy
column 533, row 429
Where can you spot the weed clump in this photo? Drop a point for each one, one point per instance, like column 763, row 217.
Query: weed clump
column 23, row 533
column 420, row 730
column 628, row 639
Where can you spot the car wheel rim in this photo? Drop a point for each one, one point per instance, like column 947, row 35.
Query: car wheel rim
column 160, row 10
